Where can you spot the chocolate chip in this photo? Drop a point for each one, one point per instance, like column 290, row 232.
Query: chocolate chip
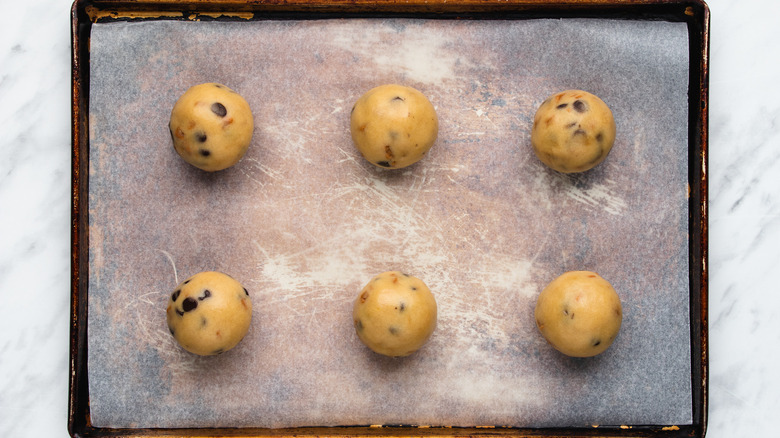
column 187, row 281
column 204, row 152
column 179, row 312
column 189, row 304
column 579, row 106
column 206, row 294
column 173, row 332
column 402, row 306
column 414, row 288
column 175, row 295
column 200, row 136
column 562, row 106
column 600, row 137
column 246, row 292
column 579, row 132
column 218, row 109
column 203, row 322
column 383, row 163
column 393, row 330
column 399, row 98
column 220, row 351
column 596, row 342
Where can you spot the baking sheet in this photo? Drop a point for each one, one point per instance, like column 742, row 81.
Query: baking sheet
column 303, row 222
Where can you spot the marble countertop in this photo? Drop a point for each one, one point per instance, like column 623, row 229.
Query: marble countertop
column 744, row 227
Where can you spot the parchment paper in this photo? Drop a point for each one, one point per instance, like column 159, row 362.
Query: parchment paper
column 304, row 222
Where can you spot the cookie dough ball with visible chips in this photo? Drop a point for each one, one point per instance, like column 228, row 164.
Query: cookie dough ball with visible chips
column 579, row 313
column 395, row 314
column 393, row 126
column 209, row 313
column 211, row 126
column 573, row 131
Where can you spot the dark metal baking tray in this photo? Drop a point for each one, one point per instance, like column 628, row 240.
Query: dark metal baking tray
column 694, row 13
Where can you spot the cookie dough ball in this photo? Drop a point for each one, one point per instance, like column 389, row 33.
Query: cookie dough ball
column 579, row 313
column 393, row 126
column 209, row 313
column 395, row 314
column 211, row 126
column 573, row 131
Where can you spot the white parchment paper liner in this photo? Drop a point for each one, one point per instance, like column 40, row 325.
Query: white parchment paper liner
column 304, row 222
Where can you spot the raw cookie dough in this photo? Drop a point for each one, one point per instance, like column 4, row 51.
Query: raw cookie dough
column 579, row 313
column 211, row 126
column 393, row 126
column 209, row 313
column 395, row 314
column 573, row 131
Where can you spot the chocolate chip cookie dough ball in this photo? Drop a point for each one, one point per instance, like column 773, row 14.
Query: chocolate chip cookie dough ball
column 209, row 313
column 393, row 126
column 395, row 314
column 573, row 131
column 211, row 126
column 579, row 313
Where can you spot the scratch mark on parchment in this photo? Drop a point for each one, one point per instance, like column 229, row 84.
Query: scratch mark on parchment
column 173, row 265
column 265, row 170
column 598, row 195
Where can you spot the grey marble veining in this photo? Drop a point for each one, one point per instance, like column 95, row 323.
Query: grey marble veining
column 35, row 200
column 744, row 219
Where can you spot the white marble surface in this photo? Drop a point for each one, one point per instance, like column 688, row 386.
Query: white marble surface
column 744, row 172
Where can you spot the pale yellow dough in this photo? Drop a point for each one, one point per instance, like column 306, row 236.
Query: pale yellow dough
column 393, row 126
column 579, row 313
column 395, row 314
column 211, row 126
column 209, row 313
column 573, row 131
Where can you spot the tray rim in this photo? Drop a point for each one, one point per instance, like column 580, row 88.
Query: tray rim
column 695, row 13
